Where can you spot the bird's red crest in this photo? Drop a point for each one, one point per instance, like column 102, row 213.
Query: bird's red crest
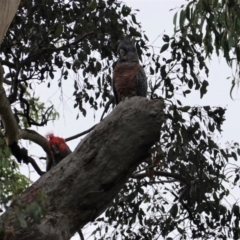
column 58, row 141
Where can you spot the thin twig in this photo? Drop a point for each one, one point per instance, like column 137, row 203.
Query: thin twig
column 80, row 234
column 90, row 129
column 161, row 174
column 80, row 134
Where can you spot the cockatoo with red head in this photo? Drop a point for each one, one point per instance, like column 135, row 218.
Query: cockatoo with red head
column 59, row 149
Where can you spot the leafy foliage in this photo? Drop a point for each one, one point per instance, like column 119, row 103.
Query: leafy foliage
column 181, row 188
column 12, row 182
column 78, row 36
column 185, row 191
column 213, row 26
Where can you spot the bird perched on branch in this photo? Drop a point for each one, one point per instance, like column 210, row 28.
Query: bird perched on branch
column 59, row 149
column 129, row 78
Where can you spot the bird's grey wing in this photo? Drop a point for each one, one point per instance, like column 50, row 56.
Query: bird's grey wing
column 142, row 83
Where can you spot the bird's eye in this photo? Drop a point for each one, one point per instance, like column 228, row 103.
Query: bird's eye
column 122, row 52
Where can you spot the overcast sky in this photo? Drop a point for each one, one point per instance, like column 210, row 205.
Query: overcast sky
column 156, row 19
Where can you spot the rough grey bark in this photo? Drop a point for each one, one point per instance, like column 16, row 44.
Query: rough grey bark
column 8, row 9
column 85, row 183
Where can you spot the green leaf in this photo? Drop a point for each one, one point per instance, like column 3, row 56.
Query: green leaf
column 179, row 103
column 134, row 18
column 51, row 75
column 151, row 70
column 185, row 109
column 211, row 127
column 203, row 89
column 175, row 19
column 190, row 84
column 92, row 5
column 233, row 85
column 174, row 210
column 146, row 38
column 186, row 92
column 68, row 65
column 126, row 10
column 58, row 30
column 234, row 156
column 166, row 38
column 163, row 71
column 235, row 210
column 236, row 179
column 182, row 18
column 164, row 47
column 134, row 32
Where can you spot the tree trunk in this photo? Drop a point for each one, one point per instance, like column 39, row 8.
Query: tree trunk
column 84, row 184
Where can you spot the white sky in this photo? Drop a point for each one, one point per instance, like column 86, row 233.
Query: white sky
column 156, row 19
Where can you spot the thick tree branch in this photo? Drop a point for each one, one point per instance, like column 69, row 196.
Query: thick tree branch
column 21, row 154
column 8, row 9
column 84, row 184
column 13, row 133
column 35, row 137
column 6, row 114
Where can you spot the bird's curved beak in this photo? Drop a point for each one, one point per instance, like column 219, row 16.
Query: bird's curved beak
column 132, row 57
